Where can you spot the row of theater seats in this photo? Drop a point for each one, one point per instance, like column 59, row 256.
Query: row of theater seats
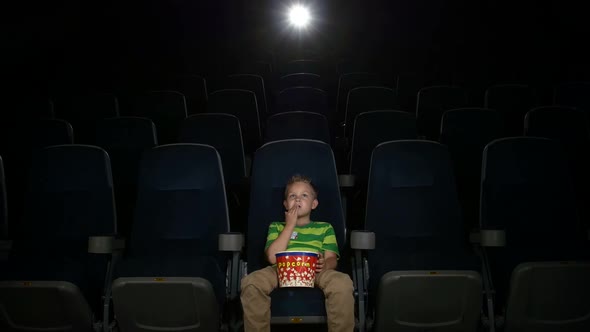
column 464, row 131
column 179, row 269
column 356, row 93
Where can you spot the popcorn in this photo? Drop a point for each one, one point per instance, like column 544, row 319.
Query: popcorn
column 296, row 269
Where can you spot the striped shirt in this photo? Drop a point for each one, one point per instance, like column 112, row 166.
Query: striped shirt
column 315, row 236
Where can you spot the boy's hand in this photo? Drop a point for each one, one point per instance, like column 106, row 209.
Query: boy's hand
column 291, row 216
column 319, row 266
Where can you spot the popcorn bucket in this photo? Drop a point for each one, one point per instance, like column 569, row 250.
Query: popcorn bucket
column 296, row 268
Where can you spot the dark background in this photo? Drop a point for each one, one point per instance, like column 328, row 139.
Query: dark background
column 59, row 45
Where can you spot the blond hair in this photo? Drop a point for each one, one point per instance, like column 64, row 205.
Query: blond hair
column 300, row 178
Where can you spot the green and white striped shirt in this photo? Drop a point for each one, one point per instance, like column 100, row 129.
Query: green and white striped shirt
column 316, row 236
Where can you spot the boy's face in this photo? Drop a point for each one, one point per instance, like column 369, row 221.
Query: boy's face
column 302, row 195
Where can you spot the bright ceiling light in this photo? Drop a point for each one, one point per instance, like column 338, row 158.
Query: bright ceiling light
column 299, row 16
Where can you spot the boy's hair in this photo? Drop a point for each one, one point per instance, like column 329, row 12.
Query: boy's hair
column 300, row 178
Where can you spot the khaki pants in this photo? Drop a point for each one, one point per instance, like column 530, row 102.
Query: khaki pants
column 337, row 288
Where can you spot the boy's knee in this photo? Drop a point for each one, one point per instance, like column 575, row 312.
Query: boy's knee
column 247, row 281
column 342, row 280
column 250, row 280
column 257, row 281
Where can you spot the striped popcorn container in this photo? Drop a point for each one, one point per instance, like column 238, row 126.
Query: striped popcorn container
column 296, row 268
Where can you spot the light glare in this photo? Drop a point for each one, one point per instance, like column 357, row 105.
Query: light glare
column 299, row 16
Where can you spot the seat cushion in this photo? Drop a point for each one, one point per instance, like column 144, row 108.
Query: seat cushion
column 297, row 302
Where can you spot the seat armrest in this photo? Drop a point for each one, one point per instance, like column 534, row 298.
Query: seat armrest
column 231, row 242
column 105, row 244
column 493, row 238
column 346, row 180
column 362, row 240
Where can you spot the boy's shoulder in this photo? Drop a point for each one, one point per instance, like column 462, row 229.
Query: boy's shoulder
column 321, row 224
column 315, row 224
column 277, row 226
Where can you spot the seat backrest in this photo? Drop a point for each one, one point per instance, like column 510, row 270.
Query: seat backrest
column 221, row 131
column 466, row 125
column 367, row 98
column 70, row 195
column 82, row 111
column 510, row 98
column 125, row 139
column 300, row 79
column 87, row 108
column 466, row 132
column 265, row 70
column 348, row 64
column 274, row 163
column 349, row 81
column 299, row 124
column 181, row 204
column 303, row 99
column 194, row 88
column 27, row 108
column 250, row 82
column 412, row 200
column 128, row 132
column 573, row 94
column 568, row 126
column 375, row 127
column 564, row 124
column 49, row 132
column 69, row 199
column 432, row 102
column 258, row 67
column 304, row 66
column 166, row 108
column 243, row 105
column 513, row 101
column 526, row 190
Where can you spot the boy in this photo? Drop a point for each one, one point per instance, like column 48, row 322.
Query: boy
column 298, row 232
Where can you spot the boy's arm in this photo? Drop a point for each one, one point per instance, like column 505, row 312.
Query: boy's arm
column 327, row 261
column 282, row 241
column 330, row 260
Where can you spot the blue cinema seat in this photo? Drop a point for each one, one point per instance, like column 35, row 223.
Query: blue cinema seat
column 173, row 276
column 51, row 281
column 527, row 194
column 420, row 251
column 274, row 164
